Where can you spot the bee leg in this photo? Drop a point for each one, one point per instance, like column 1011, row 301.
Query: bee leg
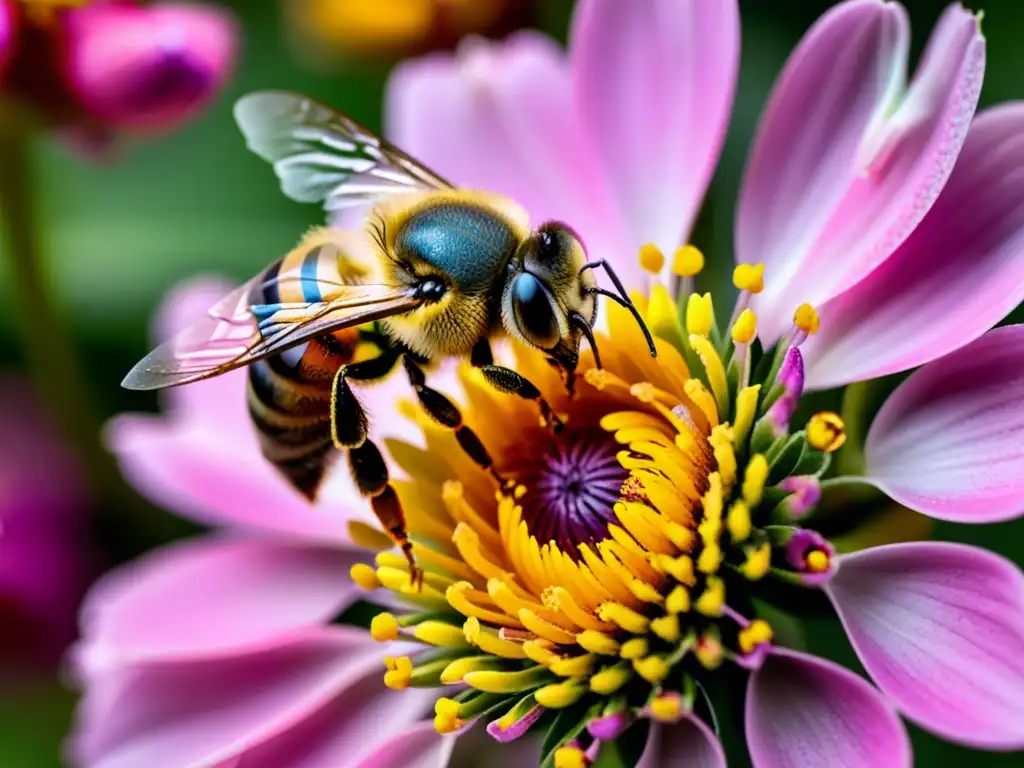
column 508, row 381
column 446, row 413
column 369, row 470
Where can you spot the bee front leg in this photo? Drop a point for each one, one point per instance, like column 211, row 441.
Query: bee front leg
column 447, row 414
column 369, row 470
column 506, row 380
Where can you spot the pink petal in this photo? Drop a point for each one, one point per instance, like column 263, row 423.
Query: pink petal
column 940, row 627
column 690, row 743
column 957, row 275
column 654, row 84
column 948, row 442
column 500, row 117
column 208, row 712
column 418, row 747
column 210, row 597
column 475, row 746
column 148, row 69
column 847, row 162
column 6, row 30
column 800, row 708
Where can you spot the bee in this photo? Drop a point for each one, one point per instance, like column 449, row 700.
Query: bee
column 435, row 272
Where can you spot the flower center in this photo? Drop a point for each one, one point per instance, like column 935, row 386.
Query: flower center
column 571, row 488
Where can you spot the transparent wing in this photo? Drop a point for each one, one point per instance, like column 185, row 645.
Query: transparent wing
column 320, row 155
column 235, row 333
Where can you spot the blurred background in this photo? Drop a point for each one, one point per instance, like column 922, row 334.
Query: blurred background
column 126, row 200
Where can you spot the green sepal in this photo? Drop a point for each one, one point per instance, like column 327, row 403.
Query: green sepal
column 784, row 461
column 812, row 462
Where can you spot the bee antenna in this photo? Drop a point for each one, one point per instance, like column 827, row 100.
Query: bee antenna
column 576, row 320
column 621, row 298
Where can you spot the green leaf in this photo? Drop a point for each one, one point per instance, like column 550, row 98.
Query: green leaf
column 569, row 723
column 626, row 750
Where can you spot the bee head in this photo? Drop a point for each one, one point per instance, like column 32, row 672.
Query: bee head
column 546, row 302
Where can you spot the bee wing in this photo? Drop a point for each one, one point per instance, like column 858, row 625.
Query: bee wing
column 320, row 155
column 235, row 333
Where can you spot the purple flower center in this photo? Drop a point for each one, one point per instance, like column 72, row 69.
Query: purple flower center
column 571, row 488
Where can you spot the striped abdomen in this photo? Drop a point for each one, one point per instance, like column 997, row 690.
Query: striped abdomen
column 290, row 394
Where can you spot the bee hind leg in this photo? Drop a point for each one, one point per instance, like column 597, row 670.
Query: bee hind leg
column 510, row 382
column 369, row 470
column 447, row 414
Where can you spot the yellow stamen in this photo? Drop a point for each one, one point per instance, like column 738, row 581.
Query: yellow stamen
column 725, row 456
column 754, row 479
column 709, row 652
column 698, row 393
column 494, row 681
column 711, row 602
column 817, row 561
column 598, row 642
column 679, row 568
column 540, row 651
column 609, row 679
column 467, row 541
column 653, row 669
column 459, row 668
column 440, row 633
column 364, row 576
column 749, row 277
column 758, row 562
column 710, row 560
column 678, row 600
column 700, row 314
column 571, row 757
column 826, row 431
column 446, row 716
column 397, row 580
column 806, row 319
column 367, row 536
column 458, row 597
column 666, row 627
column 757, row 633
column 738, row 521
column 746, row 409
column 715, row 369
column 384, row 627
column 634, row 648
column 488, row 641
column 572, row 611
column 624, row 617
column 560, row 695
column 651, row 258
column 541, row 628
column 399, row 672
column 745, row 328
column 666, row 708
column 687, row 261
column 574, row 666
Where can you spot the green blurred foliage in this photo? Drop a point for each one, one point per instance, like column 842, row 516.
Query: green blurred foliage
column 120, row 234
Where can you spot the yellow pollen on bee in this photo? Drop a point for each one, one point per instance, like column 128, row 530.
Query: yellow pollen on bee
column 653, row 669
column 570, row 757
column 745, row 328
column 817, row 561
column 700, row 314
column 634, row 648
column 364, row 576
column 749, row 277
column 399, row 672
column 666, row 708
column 651, row 258
column 826, row 431
column 758, row 562
column 446, row 716
column 738, row 520
column 756, row 634
column 712, row 600
column 754, row 478
column 806, row 319
column 384, row 627
column 687, row 261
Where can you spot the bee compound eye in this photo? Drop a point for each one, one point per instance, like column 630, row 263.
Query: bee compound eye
column 534, row 312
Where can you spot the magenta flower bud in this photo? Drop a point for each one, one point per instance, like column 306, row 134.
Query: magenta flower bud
column 147, row 69
column 805, row 493
column 811, row 556
column 508, row 728
column 609, row 727
column 791, row 377
column 6, row 30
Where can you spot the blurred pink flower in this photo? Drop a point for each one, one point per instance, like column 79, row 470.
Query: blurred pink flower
column 220, row 650
column 44, row 552
column 108, row 67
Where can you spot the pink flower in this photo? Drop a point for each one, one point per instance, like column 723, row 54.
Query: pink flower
column 110, row 67
column 870, row 198
column 44, row 566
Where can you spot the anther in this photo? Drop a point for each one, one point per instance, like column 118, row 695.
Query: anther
column 709, row 651
column 712, row 600
column 826, row 431
column 651, row 258
column 817, row 561
column 446, row 716
column 634, row 648
column 571, row 757
column 749, row 277
column 653, row 669
column 364, row 576
column 687, row 261
column 399, row 672
column 700, row 314
column 754, row 478
column 745, row 328
column 384, row 627
column 666, row 707
column 758, row 562
column 806, row 319
column 756, row 634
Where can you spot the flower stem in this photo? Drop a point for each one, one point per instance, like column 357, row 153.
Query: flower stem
column 50, row 354
column 856, row 399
